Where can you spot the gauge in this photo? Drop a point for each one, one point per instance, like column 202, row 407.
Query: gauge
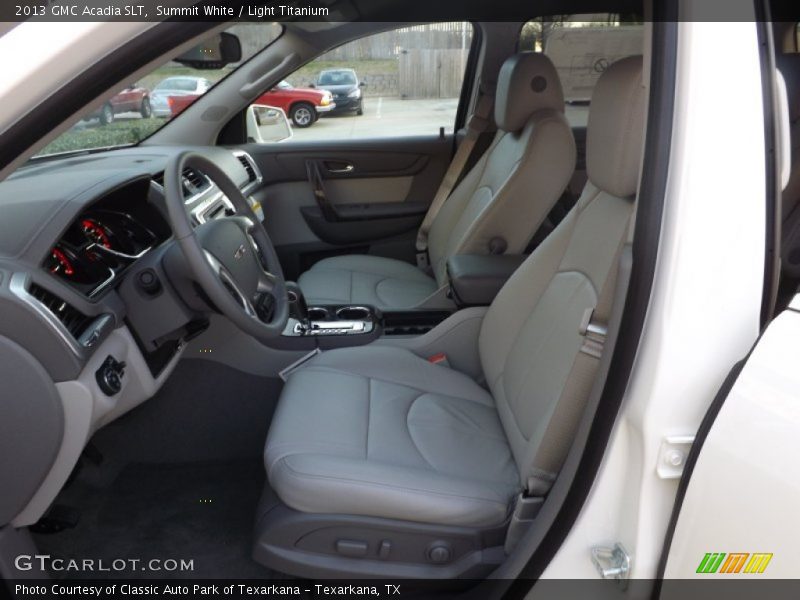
column 95, row 232
column 60, row 264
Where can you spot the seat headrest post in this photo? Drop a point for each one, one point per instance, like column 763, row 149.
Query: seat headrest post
column 528, row 82
column 615, row 131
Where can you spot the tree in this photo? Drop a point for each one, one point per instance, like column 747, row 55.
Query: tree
column 534, row 34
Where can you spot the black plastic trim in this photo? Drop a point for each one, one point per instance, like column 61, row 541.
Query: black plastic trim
column 766, row 46
column 358, row 225
column 645, row 251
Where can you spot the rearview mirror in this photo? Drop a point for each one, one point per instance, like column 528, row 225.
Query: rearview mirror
column 214, row 53
column 267, row 124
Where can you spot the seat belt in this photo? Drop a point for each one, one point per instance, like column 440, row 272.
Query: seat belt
column 478, row 123
column 584, row 376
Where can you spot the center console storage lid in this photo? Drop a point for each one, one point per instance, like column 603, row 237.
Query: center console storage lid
column 475, row 279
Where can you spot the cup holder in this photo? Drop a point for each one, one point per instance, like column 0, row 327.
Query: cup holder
column 317, row 313
column 354, row 313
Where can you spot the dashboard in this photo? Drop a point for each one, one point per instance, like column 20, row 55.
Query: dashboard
column 76, row 233
column 96, row 308
column 102, row 242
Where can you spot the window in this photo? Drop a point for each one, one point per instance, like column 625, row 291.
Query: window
column 403, row 82
column 144, row 106
column 581, row 48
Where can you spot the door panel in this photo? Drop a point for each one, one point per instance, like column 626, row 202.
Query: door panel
column 375, row 194
column 736, row 512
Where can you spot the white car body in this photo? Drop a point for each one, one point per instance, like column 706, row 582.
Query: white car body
column 176, row 86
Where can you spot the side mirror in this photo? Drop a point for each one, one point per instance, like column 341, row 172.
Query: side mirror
column 216, row 52
column 267, row 124
column 312, row 85
column 362, row 84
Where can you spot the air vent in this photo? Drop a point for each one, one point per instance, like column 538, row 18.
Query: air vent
column 194, row 182
column 248, row 166
column 75, row 321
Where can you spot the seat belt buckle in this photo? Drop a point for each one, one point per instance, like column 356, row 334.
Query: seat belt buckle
column 439, row 359
column 594, row 334
column 422, row 260
column 525, row 511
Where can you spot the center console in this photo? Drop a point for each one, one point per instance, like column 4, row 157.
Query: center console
column 338, row 320
column 335, row 326
column 328, row 326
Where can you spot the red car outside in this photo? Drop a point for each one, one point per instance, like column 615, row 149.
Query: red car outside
column 177, row 104
column 132, row 99
column 302, row 105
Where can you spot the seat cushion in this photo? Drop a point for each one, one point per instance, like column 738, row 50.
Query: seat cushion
column 377, row 431
column 359, row 279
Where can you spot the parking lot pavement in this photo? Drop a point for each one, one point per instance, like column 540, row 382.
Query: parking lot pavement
column 384, row 117
column 394, row 117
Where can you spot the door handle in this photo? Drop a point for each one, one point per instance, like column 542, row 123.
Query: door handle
column 339, row 168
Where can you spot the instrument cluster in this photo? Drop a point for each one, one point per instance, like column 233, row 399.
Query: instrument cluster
column 96, row 247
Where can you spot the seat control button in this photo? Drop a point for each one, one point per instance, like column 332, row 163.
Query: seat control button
column 354, row 548
column 384, row 549
column 439, row 552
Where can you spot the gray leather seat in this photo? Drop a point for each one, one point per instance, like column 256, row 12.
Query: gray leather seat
column 507, row 195
column 360, row 431
column 378, row 432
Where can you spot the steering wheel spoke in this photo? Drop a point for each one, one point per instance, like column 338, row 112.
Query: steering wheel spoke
column 230, row 284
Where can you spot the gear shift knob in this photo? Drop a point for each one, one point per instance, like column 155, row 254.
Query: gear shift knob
column 298, row 308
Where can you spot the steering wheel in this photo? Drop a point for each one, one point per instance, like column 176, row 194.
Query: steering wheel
column 231, row 258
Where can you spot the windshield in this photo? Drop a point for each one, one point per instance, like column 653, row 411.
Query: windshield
column 145, row 106
column 337, row 78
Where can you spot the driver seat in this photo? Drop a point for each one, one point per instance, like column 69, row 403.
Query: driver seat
column 383, row 463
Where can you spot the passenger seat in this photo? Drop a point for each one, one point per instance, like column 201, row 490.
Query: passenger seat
column 505, row 196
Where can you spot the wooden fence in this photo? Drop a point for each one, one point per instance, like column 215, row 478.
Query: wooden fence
column 431, row 73
column 390, row 43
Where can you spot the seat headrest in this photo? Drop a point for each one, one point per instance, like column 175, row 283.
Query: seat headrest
column 615, row 130
column 789, row 66
column 528, row 82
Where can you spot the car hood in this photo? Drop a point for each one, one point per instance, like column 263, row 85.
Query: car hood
column 308, row 91
column 339, row 89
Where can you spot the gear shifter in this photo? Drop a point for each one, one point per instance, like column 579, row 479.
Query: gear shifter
column 298, row 309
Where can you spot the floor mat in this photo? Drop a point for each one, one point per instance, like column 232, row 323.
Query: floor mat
column 199, row 512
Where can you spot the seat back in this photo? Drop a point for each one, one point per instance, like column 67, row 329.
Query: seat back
column 530, row 338
column 510, row 190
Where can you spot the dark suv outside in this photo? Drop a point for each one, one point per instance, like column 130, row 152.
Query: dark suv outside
column 346, row 89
